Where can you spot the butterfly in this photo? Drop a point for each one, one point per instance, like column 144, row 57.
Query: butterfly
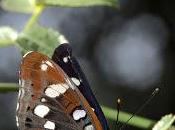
column 55, row 95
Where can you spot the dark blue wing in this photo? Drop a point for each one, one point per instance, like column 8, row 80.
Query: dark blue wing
column 63, row 57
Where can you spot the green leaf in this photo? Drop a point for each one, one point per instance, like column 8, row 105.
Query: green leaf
column 165, row 122
column 8, row 36
column 21, row 6
column 40, row 39
column 79, row 3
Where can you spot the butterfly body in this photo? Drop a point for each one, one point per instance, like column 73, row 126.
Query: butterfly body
column 64, row 58
column 49, row 100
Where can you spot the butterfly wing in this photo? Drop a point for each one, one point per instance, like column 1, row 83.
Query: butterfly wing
column 64, row 58
column 48, row 100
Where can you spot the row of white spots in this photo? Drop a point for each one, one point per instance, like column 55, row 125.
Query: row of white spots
column 55, row 90
column 75, row 80
column 42, row 111
column 78, row 114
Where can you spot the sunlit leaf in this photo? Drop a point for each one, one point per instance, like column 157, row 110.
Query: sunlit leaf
column 79, row 3
column 39, row 39
column 7, row 36
column 22, row 6
column 165, row 123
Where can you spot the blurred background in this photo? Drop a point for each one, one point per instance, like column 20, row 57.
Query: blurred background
column 124, row 53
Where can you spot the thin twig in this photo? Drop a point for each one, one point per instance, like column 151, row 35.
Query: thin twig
column 34, row 18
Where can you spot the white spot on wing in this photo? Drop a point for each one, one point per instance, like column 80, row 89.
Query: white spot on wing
column 27, row 53
column 65, row 86
column 43, row 100
column 89, row 127
column 93, row 109
column 76, row 81
column 44, row 67
column 61, row 89
column 49, row 63
column 78, row 114
column 70, row 84
column 49, row 125
column 41, row 110
column 55, row 90
column 65, row 59
column 50, row 92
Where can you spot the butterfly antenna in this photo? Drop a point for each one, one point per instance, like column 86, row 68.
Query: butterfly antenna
column 154, row 93
column 118, row 112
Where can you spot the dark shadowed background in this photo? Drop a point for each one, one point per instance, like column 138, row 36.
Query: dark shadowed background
column 125, row 53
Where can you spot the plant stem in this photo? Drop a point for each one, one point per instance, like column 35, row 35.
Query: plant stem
column 136, row 121
column 34, row 18
column 8, row 87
